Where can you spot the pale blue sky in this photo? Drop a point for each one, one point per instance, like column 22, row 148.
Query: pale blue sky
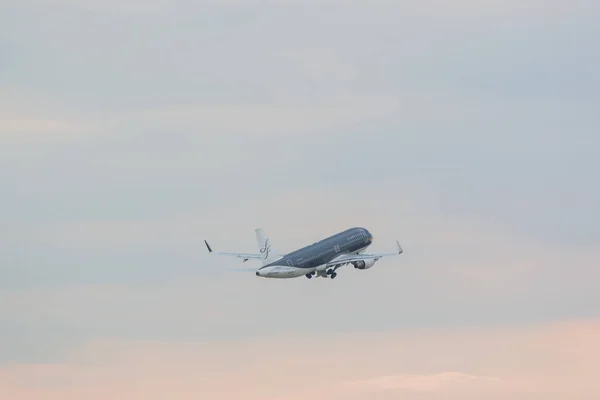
column 131, row 132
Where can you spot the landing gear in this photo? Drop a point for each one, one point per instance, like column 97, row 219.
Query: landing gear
column 330, row 273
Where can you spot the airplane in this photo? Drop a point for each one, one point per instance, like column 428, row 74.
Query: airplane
column 322, row 258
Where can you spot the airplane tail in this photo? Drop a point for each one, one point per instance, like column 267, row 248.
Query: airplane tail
column 268, row 252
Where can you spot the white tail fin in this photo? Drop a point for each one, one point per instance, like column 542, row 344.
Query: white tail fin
column 268, row 252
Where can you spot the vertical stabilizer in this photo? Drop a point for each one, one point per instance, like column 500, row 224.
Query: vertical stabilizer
column 268, row 252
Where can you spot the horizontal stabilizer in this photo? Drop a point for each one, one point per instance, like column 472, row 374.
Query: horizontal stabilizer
column 244, row 256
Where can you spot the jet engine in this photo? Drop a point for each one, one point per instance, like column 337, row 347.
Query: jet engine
column 364, row 264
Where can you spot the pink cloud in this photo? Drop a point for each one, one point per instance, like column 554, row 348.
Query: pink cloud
column 422, row 383
column 550, row 361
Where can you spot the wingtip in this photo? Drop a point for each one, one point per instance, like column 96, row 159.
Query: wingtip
column 400, row 251
column 208, row 246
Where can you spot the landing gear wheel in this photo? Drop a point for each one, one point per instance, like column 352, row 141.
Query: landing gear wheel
column 333, row 275
column 309, row 276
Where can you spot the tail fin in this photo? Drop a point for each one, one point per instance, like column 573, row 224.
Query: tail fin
column 268, row 252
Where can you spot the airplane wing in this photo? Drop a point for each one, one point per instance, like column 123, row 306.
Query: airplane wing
column 244, row 256
column 348, row 258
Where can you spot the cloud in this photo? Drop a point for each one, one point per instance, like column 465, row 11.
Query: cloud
column 467, row 256
column 198, row 124
column 151, row 277
column 40, row 129
column 495, row 362
column 442, row 382
column 132, row 130
column 277, row 118
column 27, row 116
column 431, row 6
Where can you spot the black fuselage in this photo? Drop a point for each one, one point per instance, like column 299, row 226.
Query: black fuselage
column 347, row 242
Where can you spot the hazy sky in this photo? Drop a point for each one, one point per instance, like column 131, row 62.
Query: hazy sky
column 132, row 130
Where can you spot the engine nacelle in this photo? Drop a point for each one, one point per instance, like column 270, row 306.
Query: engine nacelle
column 364, row 264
